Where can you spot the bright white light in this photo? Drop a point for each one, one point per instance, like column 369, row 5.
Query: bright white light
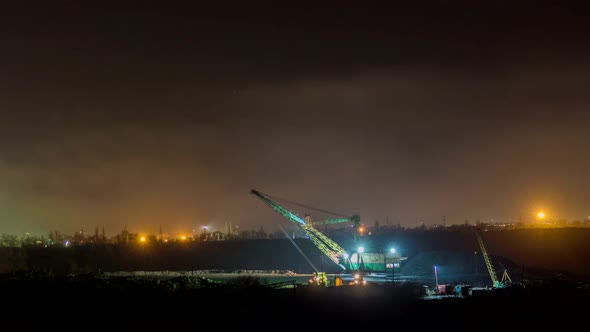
column 392, row 250
column 345, row 255
column 361, row 250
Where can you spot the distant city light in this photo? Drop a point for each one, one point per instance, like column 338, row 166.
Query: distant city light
column 541, row 215
column 361, row 250
column 392, row 250
column 142, row 239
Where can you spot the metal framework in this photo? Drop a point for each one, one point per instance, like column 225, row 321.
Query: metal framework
column 495, row 282
column 326, row 245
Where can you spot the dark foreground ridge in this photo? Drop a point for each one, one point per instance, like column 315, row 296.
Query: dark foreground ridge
column 195, row 302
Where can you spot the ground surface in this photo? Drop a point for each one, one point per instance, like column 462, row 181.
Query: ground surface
column 89, row 302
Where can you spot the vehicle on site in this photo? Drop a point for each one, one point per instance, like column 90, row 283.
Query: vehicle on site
column 357, row 266
column 319, row 279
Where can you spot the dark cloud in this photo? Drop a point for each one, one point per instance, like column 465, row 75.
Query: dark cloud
column 146, row 116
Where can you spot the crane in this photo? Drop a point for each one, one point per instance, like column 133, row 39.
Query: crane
column 357, row 267
column 327, row 246
column 495, row 282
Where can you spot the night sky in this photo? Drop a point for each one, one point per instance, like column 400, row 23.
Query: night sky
column 131, row 114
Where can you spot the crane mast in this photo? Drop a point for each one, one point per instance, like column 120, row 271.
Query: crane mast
column 292, row 217
column 495, row 282
column 327, row 246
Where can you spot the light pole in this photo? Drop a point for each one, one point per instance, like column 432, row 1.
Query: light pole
column 392, row 251
column 359, row 277
column 360, row 251
column 436, row 277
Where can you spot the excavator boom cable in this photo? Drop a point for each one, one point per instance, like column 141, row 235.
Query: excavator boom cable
column 305, row 206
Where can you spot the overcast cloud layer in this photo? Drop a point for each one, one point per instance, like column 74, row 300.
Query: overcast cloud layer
column 138, row 116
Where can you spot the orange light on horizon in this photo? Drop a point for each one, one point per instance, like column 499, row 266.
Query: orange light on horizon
column 541, row 215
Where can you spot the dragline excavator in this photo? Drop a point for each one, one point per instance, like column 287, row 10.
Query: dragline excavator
column 359, row 264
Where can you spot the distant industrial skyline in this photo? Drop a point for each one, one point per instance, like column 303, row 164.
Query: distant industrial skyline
column 535, row 221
